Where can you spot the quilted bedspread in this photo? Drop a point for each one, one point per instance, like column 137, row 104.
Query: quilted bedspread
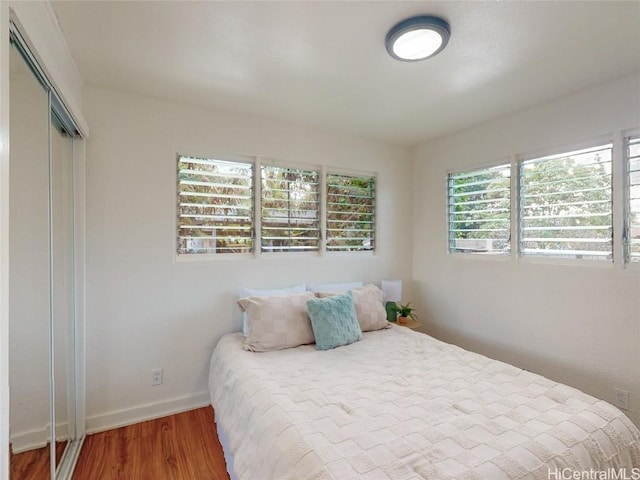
column 402, row 405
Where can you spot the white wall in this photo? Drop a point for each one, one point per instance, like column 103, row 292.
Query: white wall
column 576, row 324
column 144, row 309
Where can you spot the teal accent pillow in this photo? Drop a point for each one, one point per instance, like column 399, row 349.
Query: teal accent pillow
column 334, row 321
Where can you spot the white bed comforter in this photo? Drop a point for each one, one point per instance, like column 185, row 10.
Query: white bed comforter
column 401, row 405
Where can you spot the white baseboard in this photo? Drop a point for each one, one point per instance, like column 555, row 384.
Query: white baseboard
column 25, row 441
column 36, row 438
column 149, row 411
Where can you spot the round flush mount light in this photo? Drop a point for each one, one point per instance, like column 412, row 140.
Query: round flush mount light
column 417, row 38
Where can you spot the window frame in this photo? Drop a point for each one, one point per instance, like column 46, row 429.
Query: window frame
column 374, row 231
column 257, row 162
column 600, row 144
column 503, row 163
column 259, row 206
column 618, row 201
column 629, row 136
column 209, row 256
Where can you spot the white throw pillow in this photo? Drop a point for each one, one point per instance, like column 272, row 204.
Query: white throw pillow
column 369, row 303
column 278, row 322
column 267, row 292
column 370, row 309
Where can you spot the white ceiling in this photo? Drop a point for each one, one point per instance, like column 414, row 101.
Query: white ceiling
column 323, row 64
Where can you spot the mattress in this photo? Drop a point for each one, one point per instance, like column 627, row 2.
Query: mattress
column 402, row 405
column 224, row 443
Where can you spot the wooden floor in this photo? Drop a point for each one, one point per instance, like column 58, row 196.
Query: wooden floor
column 34, row 464
column 180, row 447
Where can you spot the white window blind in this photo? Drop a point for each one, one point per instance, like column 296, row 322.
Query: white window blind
column 350, row 212
column 480, row 210
column 290, row 215
column 565, row 204
column 215, row 206
column 633, row 196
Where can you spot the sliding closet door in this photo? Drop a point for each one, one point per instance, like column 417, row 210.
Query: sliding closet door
column 29, row 280
column 63, row 282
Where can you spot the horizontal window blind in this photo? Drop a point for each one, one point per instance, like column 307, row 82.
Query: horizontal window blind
column 480, row 210
column 215, row 206
column 633, row 196
column 565, row 205
column 290, row 210
column 350, row 213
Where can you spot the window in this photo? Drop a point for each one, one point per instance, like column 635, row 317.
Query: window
column 218, row 211
column 350, row 213
column 565, row 205
column 215, row 206
column 633, row 196
column 480, row 210
column 290, row 210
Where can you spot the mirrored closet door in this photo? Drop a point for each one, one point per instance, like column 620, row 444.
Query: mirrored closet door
column 29, row 269
column 42, row 344
column 62, row 291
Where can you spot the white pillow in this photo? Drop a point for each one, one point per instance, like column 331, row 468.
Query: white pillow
column 277, row 322
column 268, row 292
column 334, row 287
column 369, row 303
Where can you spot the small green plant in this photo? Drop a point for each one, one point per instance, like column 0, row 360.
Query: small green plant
column 407, row 311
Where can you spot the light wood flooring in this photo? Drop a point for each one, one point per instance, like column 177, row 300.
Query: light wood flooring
column 184, row 446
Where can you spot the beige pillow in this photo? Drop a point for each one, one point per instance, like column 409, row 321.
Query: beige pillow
column 278, row 322
column 369, row 303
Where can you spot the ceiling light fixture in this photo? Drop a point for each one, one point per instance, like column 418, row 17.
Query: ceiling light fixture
column 417, row 38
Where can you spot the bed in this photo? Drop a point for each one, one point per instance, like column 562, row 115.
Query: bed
column 401, row 405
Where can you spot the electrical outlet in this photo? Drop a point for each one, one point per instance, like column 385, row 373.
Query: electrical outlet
column 621, row 398
column 156, row 376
